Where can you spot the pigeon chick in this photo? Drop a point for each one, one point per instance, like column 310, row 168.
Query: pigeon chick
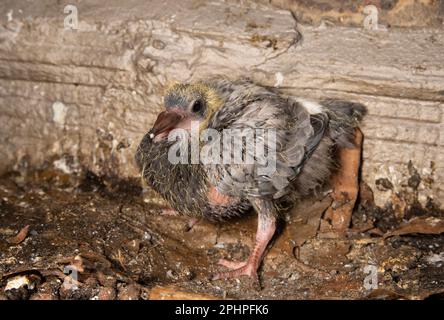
column 299, row 139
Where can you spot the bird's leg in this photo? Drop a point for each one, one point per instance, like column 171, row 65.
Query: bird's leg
column 265, row 231
column 345, row 186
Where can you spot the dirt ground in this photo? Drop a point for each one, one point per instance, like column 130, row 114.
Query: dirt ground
column 93, row 237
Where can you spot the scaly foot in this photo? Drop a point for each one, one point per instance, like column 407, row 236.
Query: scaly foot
column 232, row 264
column 238, row 269
column 265, row 231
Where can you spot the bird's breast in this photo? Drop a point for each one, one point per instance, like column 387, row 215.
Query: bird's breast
column 185, row 187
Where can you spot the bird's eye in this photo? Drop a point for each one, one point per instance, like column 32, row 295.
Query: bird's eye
column 197, row 106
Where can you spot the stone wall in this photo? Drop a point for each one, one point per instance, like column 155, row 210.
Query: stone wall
column 88, row 95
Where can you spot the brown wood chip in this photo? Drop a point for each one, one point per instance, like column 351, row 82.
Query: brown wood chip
column 19, row 237
column 424, row 225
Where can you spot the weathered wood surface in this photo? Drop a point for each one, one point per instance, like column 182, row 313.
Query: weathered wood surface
column 392, row 13
column 93, row 92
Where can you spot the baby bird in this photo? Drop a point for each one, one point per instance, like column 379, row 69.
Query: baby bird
column 292, row 154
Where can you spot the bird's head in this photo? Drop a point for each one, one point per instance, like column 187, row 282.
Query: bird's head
column 185, row 103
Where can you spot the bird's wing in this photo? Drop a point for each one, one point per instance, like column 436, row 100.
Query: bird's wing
column 285, row 135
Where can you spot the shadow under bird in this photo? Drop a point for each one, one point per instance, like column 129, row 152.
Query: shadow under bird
column 307, row 137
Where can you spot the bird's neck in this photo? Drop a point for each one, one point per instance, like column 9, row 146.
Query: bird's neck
column 183, row 186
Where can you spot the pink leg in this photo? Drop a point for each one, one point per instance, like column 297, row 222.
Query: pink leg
column 265, row 231
column 232, row 264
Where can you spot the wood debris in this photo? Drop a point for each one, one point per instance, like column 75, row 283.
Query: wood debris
column 19, row 237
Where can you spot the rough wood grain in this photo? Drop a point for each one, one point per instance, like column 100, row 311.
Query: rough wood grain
column 92, row 93
column 394, row 13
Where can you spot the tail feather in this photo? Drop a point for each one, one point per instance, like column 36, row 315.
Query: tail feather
column 345, row 117
column 353, row 110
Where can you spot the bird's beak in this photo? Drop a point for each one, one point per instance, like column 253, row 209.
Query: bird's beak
column 165, row 122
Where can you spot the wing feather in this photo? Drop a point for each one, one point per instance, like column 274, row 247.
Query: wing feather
column 297, row 134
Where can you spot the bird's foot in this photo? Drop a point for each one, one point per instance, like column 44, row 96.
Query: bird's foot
column 238, row 269
column 232, row 264
column 265, row 231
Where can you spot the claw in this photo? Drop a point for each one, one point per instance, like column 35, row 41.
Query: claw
column 238, row 269
column 265, row 231
column 232, row 264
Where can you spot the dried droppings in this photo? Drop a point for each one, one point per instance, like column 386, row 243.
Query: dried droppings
column 383, row 184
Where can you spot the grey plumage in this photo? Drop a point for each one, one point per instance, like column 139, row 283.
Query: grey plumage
column 305, row 150
column 299, row 135
column 298, row 138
